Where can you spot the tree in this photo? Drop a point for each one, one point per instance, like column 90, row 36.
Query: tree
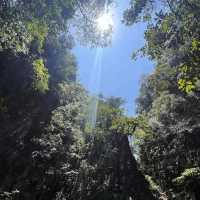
column 40, row 104
column 111, row 167
column 169, row 97
column 172, row 36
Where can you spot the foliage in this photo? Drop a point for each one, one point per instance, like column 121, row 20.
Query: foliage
column 13, row 36
column 61, row 62
column 131, row 15
column 107, row 111
column 41, row 107
column 132, row 126
column 41, row 76
column 156, row 189
column 47, row 150
column 38, row 32
column 124, row 125
column 153, row 185
column 109, row 155
column 26, row 25
column 187, row 175
column 172, row 37
column 169, row 97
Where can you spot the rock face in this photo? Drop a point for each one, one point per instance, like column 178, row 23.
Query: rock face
column 117, row 175
column 128, row 179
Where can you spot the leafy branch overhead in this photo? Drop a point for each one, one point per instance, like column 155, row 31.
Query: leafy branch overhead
column 172, row 36
column 169, row 97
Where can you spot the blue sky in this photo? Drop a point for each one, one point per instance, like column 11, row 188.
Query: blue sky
column 116, row 74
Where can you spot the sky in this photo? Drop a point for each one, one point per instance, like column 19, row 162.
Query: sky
column 111, row 71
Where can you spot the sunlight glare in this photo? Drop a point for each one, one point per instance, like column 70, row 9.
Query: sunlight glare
column 105, row 22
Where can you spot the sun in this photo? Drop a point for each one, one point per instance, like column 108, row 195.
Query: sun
column 105, row 22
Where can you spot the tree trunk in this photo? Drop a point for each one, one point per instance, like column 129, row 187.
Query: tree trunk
column 132, row 181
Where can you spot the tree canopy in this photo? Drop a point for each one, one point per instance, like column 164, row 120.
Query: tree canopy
column 169, row 98
column 51, row 149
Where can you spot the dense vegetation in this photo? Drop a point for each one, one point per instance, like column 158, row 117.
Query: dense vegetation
column 48, row 146
column 169, row 98
column 48, row 149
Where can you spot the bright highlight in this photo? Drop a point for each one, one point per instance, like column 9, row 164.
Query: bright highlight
column 105, row 22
